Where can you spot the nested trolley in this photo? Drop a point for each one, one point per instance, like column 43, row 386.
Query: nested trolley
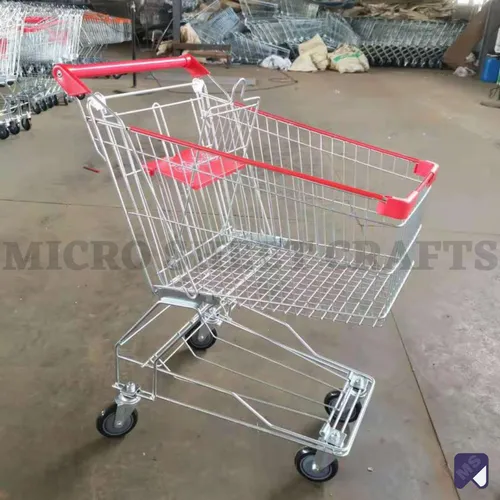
column 243, row 219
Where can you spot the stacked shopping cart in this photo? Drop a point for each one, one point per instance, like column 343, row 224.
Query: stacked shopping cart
column 98, row 31
column 14, row 110
column 34, row 37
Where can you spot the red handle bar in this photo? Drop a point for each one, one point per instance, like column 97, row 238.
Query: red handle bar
column 69, row 77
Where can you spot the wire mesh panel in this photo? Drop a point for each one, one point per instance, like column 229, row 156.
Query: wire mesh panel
column 298, row 8
column 334, row 31
column 394, row 42
column 338, row 31
column 259, row 9
column 217, row 27
column 245, row 50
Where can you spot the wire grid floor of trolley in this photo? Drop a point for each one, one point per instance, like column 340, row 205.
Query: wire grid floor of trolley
column 251, row 215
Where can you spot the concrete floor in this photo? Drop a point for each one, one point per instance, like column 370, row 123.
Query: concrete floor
column 435, row 360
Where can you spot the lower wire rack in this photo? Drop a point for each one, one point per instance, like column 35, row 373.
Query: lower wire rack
column 268, row 379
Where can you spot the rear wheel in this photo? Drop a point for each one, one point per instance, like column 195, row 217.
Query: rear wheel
column 330, row 402
column 201, row 338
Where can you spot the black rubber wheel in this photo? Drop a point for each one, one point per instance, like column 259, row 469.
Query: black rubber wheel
column 304, row 460
column 117, row 77
column 43, row 105
column 81, row 97
column 36, row 108
column 50, row 102
column 105, row 423
column 26, row 123
column 66, row 100
column 14, row 128
column 331, row 400
column 201, row 340
column 4, row 132
column 55, row 100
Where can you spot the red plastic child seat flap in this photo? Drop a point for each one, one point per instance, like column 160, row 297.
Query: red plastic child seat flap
column 207, row 168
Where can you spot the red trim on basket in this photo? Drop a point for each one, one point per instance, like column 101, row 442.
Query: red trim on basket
column 389, row 206
column 332, row 135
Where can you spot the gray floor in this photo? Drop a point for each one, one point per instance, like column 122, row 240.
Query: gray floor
column 435, row 360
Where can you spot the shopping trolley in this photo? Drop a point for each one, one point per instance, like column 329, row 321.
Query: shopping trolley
column 246, row 220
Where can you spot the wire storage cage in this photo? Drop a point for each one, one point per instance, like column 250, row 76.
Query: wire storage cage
column 246, row 222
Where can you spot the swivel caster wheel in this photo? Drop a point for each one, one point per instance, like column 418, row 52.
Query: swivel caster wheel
column 26, row 123
column 202, row 338
column 36, row 108
column 81, row 97
column 304, row 462
column 117, row 77
column 55, row 100
column 14, row 128
column 331, row 400
column 4, row 132
column 43, row 105
column 65, row 100
column 105, row 423
column 50, row 102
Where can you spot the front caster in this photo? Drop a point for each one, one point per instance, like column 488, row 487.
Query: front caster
column 65, row 99
column 36, row 108
column 14, row 128
column 55, row 100
column 306, row 466
column 50, row 102
column 349, row 412
column 106, row 426
column 202, row 338
column 4, row 132
column 43, row 105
